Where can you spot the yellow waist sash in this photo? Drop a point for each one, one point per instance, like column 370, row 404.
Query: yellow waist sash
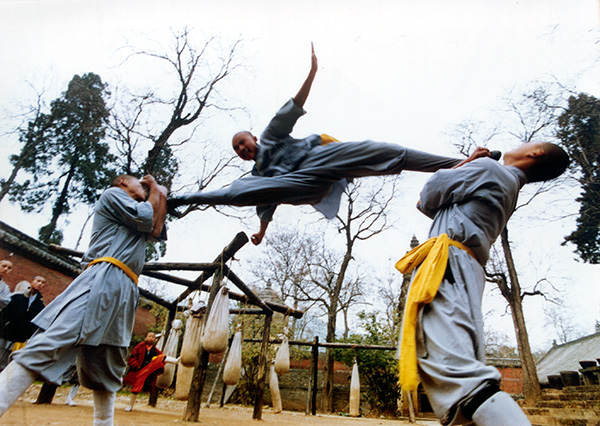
column 432, row 255
column 118, row 264
column 325, row 139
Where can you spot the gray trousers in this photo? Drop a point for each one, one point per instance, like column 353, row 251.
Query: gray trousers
column 51, row 352
column 324, row 166
column 450, row 349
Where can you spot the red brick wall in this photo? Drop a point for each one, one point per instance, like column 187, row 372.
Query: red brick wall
column 512, row 380
column 25, row 269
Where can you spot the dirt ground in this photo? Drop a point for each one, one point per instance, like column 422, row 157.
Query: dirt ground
column 167, row 412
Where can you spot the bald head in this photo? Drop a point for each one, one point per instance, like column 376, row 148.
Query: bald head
column 5, row 267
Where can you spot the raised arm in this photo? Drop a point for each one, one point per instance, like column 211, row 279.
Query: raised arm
column 302, row 94
column 157, row 196
column 258, row 237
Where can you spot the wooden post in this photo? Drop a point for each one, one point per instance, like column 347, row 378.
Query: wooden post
column 153, row 397
column 309, row 388
column 411, row 408
column 223, row 361
column 192, row 409
column 315, row 378
column 222, row 401
column 262, row 367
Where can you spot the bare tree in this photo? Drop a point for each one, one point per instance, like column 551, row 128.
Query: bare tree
column 197, row 73
column 284, row 264
column 30, row 134
column 366, row 216
column 560, row 318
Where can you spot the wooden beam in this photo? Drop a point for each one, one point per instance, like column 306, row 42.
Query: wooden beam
column 254, row 299
column 228, row 252
column 178, row 266
column 327, row 345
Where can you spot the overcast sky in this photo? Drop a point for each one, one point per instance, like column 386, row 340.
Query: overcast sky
column 396, row 71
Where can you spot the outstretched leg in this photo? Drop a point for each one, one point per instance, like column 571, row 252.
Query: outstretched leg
column 324, row 166
column 14, row 380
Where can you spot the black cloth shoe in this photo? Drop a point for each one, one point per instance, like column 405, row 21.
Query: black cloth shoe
column 173, row 203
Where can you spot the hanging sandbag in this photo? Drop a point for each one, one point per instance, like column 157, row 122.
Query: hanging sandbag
column 354, row 392
column 192, row 337
column 183, row 382
column 164, row 380
column 282, row 359
column 233, row 366
column 274, row 389
column 216, row 328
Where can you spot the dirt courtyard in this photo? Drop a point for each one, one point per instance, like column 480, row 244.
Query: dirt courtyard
column 167, row 412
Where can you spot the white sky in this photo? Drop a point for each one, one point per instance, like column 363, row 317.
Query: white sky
column 397, row 71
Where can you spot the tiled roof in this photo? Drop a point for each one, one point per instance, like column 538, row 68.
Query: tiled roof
column 566, row 357
column 18, row 242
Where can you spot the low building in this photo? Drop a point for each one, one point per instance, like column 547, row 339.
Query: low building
column 566, row 357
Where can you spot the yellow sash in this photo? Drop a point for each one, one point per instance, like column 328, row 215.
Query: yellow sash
column 118, row 264
column 18, row 346
column 432, row 255
column 325, row 139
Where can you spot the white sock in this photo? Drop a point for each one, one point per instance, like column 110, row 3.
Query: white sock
column 72, row 394
column 131, row 402
column 14, row 380
column 104, row 408
column 171, row 360
column 500, row 410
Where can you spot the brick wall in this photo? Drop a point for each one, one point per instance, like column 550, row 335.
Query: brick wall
column 25, row 269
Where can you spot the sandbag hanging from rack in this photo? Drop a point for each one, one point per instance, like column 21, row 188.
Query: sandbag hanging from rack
column 233, row 366
column 274, row 389
column 216, row 328
column 282, row 359
column 354, row 407
column 164, row 380
column 192, row 336
column 183, row 381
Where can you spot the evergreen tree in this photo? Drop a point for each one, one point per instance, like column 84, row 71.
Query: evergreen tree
column 579, row 131
column 72, row 163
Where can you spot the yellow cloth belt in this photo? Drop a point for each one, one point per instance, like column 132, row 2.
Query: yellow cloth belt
column 118, row 264
column 18, row 346
column 432, row 255
column 325, row 139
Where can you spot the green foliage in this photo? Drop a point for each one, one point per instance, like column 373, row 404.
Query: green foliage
column 68, row 161
column 54, row 236
column 160, row 313
column 579, row 132
column 155, row 250
column 378, row 369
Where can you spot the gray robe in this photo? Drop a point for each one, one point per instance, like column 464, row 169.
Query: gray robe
column 471, row 204
column 302, row 171
column 98, row 307
column 4, row 294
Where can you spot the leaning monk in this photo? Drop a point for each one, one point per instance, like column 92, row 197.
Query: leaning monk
column 91, row 321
